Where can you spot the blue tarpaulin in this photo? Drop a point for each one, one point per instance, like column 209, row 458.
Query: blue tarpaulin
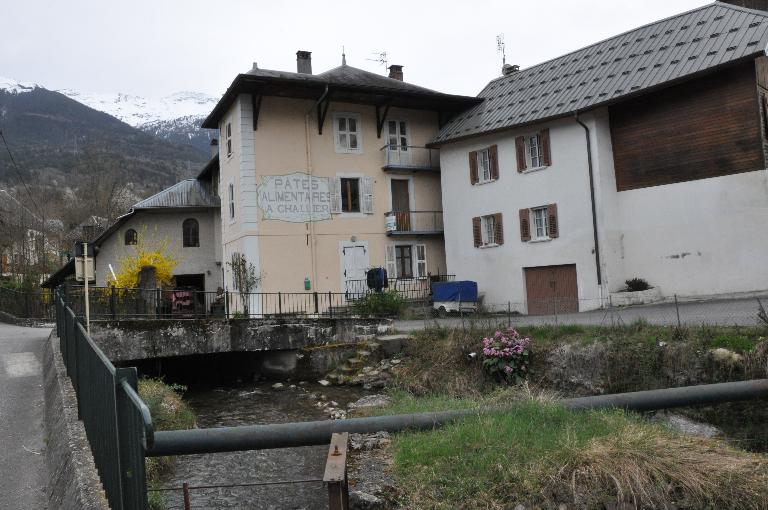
column 454, row 291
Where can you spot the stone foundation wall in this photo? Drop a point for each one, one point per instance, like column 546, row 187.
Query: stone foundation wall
column 73, row 480
column 143, row 339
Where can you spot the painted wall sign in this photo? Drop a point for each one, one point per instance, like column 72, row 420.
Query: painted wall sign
column 296, row 197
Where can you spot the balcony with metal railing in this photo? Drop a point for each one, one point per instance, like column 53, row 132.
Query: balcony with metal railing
column 410, row 158
column 414, row 223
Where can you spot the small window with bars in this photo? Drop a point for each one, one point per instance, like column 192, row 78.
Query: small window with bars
column 228, row 138
column 484, row 166
column 535, row 154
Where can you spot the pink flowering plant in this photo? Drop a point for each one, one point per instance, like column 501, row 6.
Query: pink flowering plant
column 506, row 355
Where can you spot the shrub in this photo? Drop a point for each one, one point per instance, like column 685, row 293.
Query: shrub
column 169, row 412
column 637, row 284
column 380, row 304
column 507, row 356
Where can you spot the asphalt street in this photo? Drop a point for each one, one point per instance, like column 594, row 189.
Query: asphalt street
column 22, row 456
column 716, row 312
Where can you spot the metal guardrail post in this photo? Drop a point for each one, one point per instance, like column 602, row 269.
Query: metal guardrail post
column 336, row 473
column 330, row 305
column 130, row 434
column 112, row 304
column 317, row 308
column 280, row 303
column 226, row 304
column 185, row 490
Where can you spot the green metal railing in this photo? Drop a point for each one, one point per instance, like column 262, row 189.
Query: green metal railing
column 117, row 422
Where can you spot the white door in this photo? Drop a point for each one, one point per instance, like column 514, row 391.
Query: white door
column 399, row 153
column 354, row 264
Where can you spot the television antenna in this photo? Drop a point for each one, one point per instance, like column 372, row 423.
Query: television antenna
column 381, row 58
column 501, row 48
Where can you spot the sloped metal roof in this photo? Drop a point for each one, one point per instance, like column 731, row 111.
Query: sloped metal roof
column 650, row 56
column 187, row 193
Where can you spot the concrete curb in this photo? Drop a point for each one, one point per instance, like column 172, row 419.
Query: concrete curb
column 73, row 481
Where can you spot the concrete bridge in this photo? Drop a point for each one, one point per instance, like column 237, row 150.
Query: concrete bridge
column 279, row 342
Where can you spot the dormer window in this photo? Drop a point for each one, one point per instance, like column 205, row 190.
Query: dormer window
column 347, row 133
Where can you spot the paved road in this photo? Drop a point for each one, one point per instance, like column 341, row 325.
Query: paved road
column 22, row 460
column 723, row 312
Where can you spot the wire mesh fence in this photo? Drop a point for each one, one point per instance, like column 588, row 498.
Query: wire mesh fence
column 675, row 311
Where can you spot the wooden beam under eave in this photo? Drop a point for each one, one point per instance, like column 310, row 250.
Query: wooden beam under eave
column 381, row 118
column 256, row 104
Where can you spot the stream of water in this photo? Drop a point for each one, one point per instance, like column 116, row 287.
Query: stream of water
column 254, row 404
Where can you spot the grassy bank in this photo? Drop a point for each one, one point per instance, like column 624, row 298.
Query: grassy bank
column 541, row 455
column 633, row 357
column 169, row 412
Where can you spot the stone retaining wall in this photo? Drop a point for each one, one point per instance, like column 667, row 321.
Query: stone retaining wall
column 73, row 480
column 129, row 340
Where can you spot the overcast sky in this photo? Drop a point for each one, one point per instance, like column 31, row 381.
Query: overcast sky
column 157, row 47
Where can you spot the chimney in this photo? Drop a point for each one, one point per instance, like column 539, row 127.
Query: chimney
column 304, row 62
column 759, row 5
column 396, row 72
column 508, row 69
column 214, row 147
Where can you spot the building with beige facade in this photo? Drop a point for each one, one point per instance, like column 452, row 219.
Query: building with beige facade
column 324, row 176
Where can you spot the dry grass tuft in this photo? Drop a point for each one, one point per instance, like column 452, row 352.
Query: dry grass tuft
column 645, row 468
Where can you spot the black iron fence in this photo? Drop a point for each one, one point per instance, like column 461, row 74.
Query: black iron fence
column 111, row 303
column 30, row 304
column 117, row 422
column 410, row 289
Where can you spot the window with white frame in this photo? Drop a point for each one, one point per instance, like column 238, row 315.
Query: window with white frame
column 540, row 223
column 484, row 166
column 534, row 151
column 488, row 229
column 231, row 201
column 228, row 138
column 347, row 133
column 352, row 194
column 421, row 260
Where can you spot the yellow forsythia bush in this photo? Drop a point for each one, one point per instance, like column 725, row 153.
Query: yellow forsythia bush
column 143, row 254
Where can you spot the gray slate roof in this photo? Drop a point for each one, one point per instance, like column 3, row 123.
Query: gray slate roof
column 650, row 56
column 347, row 76
column 187, row 193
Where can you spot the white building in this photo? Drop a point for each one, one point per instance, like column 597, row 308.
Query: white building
column 639, row 156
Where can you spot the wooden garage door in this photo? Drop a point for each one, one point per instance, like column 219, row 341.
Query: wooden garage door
column 552, row 289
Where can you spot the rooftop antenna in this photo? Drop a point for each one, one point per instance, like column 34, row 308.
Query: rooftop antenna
column 501, row 48
column 381, row 58
column 343, row 57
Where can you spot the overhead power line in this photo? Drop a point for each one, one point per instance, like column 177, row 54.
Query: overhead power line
column 20, row 176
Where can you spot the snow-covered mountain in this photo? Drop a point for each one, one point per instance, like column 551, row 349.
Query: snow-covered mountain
column 137, row 110
column 175, row 118
column 16, row 87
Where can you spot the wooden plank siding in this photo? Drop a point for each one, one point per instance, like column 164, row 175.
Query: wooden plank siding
column 704, row 128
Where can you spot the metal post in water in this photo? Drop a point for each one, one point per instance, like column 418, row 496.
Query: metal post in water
column 677, row 310
column 185, row 489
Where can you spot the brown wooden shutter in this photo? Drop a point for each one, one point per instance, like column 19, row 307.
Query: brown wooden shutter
column 493, row 152
column 477, row 232
column 554, row 227
column 546, row 155
column 525, row 225
column 520, row 149
column 499, row 230
column 473, row 179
